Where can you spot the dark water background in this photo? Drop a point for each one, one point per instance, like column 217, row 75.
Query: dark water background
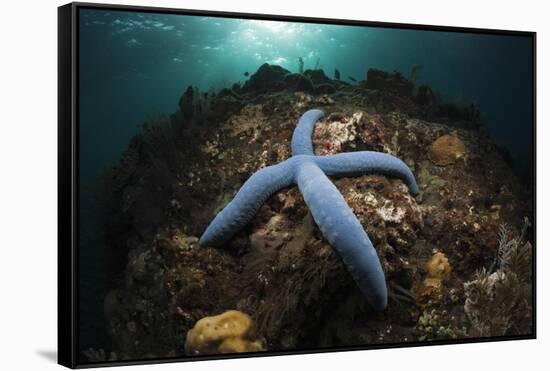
column 135, row 66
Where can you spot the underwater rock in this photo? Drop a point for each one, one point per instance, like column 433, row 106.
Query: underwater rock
column 465, row 116
column 308, row 172
column 229, row 332
column 236, row 87
column 324, row 89
column 226, row 92
column 225, row 104
column 325, row 100
column 449, row 110
column 273, row 78
column 317, row 76
column 424, row 95
column 298, row 82
column 392, row 82
column 446, row 150
column 247, row 122
column 266, row 78
column 335, row 132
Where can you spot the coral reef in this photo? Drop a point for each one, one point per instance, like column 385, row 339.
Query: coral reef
column 183, row 169
column 229, row 332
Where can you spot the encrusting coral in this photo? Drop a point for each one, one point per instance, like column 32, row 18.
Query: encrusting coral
column 229, row 332
column 446, row 150
column 329, row 209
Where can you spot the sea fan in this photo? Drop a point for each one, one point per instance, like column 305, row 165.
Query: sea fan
column 500, row 303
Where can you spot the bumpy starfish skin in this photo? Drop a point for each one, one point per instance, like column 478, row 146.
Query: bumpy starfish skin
column 330, row 211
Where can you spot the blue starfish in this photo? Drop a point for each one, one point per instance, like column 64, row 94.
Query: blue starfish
column 329, row 209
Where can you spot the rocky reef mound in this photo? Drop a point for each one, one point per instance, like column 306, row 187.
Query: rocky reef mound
column 450, row 255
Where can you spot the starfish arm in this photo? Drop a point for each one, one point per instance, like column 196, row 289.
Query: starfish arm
column 343, row 231
column 301, row 138
column 248, row 200
column 365, row 162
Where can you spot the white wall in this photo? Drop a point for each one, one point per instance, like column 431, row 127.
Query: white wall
column 28, row 181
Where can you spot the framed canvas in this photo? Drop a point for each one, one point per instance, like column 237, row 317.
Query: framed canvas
column 236, row 185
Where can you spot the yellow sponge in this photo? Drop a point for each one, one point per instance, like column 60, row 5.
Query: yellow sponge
column 229, row 332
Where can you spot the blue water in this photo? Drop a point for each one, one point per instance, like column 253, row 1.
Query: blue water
column 135, row 66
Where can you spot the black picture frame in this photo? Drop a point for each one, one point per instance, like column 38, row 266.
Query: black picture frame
column 68, row 178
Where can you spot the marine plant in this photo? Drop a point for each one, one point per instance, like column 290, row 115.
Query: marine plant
column 415, row 68
column 499, row 302
column 329, row 209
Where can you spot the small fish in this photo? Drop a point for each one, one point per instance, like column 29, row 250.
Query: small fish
column 246, row 73
column 352, row 78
